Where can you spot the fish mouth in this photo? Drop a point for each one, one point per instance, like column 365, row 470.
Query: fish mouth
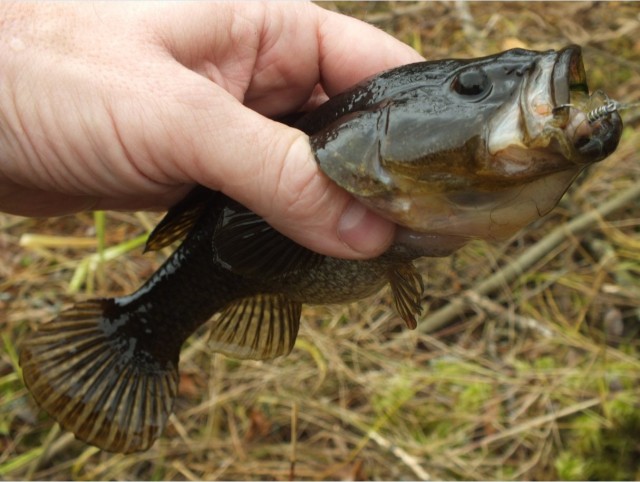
column 554, row 112
column 591, row 139
column 552, row 122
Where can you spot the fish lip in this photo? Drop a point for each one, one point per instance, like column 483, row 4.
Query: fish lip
column 590, row 141
column 568, row 75
column 603, row 140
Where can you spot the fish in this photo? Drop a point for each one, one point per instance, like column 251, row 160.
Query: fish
column 450, row 150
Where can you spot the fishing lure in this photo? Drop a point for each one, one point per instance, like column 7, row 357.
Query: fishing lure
column 603, row 111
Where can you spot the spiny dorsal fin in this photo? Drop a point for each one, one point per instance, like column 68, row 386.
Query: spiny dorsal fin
column 95, row 386
column 258, row 327
column 407, row 288
column 247, row 245
column 180, row 219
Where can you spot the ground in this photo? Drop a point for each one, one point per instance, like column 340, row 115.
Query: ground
column 525, row 364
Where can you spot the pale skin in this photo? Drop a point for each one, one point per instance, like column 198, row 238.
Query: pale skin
column 127, row 105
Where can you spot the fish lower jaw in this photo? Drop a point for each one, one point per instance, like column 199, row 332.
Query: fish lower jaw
column 591, row 126
column 431, row 245
column 439, row 223
column 578, row 125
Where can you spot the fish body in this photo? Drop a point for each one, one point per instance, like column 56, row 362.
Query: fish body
column 107, row 369
column 450, row 150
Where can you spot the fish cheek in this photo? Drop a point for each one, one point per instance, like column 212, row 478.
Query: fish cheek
column 349, row 153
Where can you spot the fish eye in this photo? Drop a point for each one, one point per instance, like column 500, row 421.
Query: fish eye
column 472, row 83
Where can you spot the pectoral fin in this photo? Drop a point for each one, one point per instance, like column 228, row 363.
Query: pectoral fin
column 180, row 219
column 407, row 288
column 259, row 327
column 247, row 245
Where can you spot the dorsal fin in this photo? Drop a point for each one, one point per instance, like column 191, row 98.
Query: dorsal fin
column 407, row 288
column 247, row 245
column 258, row 327
column 180, row 219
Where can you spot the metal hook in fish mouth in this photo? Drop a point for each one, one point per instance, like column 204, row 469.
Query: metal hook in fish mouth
column 560, row 107
column 594, row 114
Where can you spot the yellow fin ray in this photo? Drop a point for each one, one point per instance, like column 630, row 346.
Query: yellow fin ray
column 259, row 327
column 407, row 288
column 179, row 220
column 97, row 386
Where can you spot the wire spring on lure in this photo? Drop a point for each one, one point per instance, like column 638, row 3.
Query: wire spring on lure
column 602, row 111
column 608, row 108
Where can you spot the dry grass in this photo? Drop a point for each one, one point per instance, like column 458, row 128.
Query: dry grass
column 537, row 379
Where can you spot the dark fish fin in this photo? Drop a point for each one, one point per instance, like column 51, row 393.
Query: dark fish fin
column 95, row 386
column 247, row 245
column 407, row 288
column 180, row 219
column 258, row 327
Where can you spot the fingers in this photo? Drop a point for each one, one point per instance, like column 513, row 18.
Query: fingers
column 351, row 50
column 165, row 109
column 270, row 56
column 317, row 213
column 270, row 168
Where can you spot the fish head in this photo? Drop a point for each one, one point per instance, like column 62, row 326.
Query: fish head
column 455, row 150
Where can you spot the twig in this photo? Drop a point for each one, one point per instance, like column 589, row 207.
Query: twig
column 528, row 259
column 294, row 440
column 398, row 11
column 28, row 240
column 399, row 452
column 529, row 424
column 466, row 19
column 370, row 433
column 53, row 444
column 496, row 309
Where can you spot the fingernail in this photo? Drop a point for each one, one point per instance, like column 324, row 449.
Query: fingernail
column 364, row 231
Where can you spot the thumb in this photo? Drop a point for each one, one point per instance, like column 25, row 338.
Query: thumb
column 270, row 168
column 304, row 204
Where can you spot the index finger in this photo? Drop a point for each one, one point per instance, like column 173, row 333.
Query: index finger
column 350, row 50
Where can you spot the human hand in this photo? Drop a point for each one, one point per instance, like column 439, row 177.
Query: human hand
column 127, row 105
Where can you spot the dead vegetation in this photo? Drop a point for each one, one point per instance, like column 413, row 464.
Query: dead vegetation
column 534, row 377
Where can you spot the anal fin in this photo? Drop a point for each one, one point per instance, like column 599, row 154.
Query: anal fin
column 95, row 385
column 407, row 288
column 259, row 327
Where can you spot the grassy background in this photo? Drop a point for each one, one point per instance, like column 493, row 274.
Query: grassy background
column 537, row 378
